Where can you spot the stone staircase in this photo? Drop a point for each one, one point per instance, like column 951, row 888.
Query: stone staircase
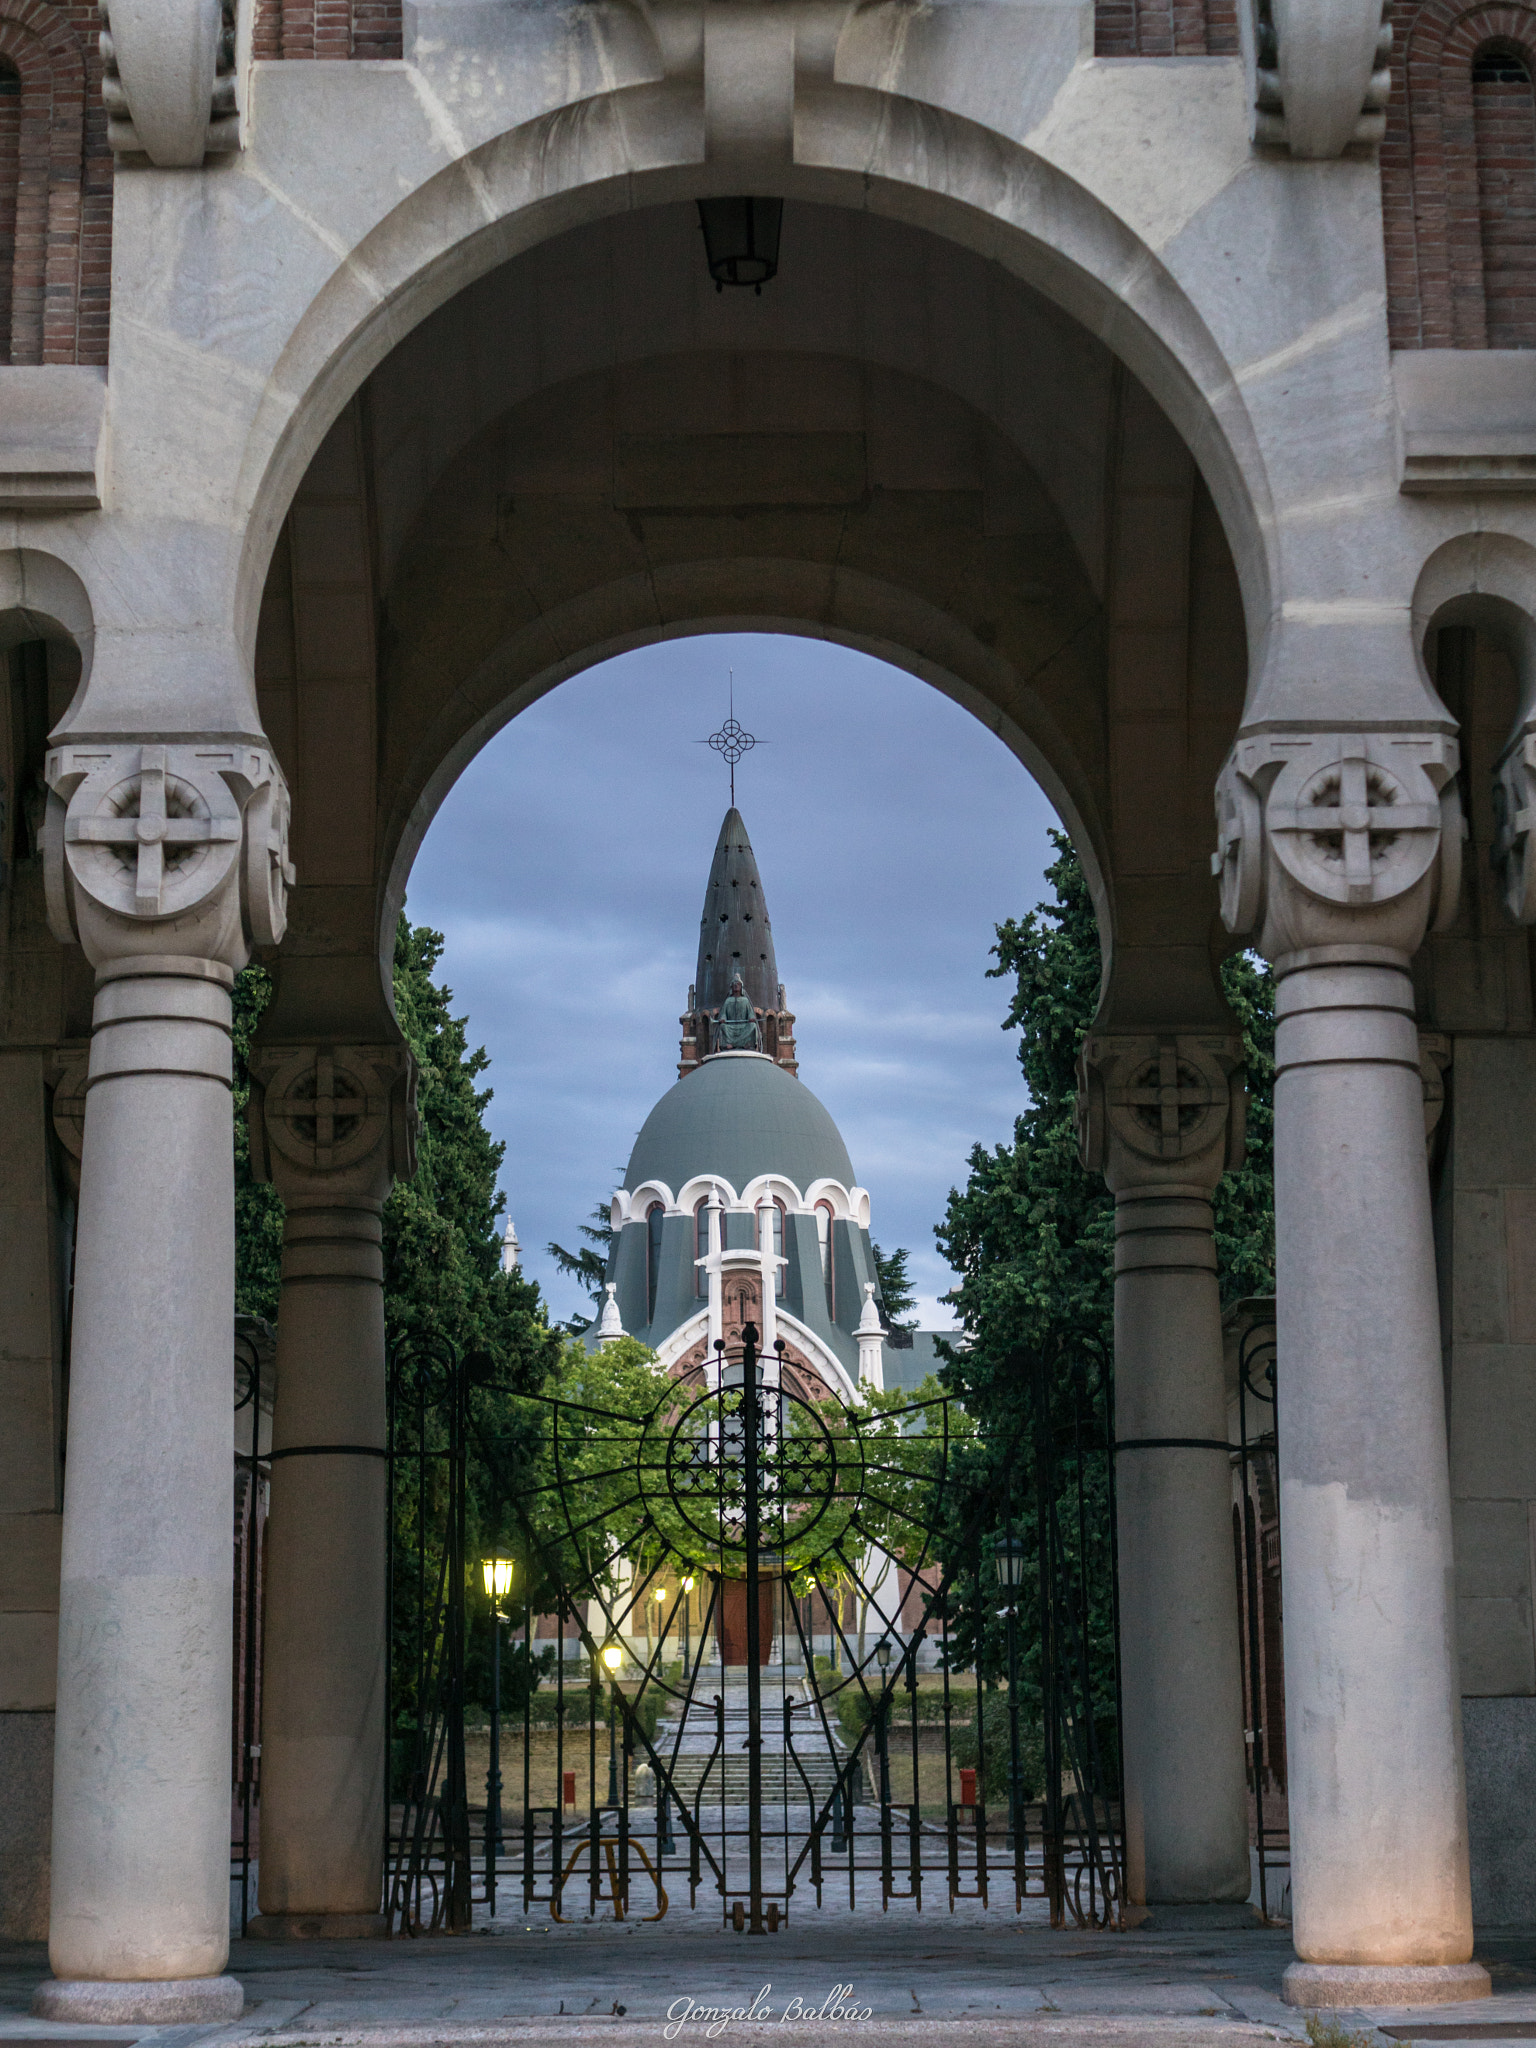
column 782, row 1778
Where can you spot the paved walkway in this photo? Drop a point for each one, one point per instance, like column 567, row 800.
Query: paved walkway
column 899, row 1980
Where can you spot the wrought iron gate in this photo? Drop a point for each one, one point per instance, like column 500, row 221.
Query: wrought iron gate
column 702, row 1745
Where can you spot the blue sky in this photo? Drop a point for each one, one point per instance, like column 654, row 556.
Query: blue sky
column 566, row 871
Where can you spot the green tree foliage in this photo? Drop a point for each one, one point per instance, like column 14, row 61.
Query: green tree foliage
column 896, row 1293
column 1031, row 1236
column 258, row 1207
column 443, row 1283
column 588, row 1264
column 442, row 1250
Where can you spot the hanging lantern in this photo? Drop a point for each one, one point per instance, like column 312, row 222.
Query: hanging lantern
column 1011, row 1558
column 497, row 1573
column 741, row 240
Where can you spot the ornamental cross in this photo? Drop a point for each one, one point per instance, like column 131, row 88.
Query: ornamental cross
column 1162, row 1103
column 336, row 1100
column 732, row 741
column 149, row 831
column 1352, row 818
column 1359, row 816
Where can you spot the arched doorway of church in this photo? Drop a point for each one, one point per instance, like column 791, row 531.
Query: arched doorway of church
column 592, row 450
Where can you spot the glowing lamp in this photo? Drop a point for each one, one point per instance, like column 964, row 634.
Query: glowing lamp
column 613, row 1655
column 497, row 1573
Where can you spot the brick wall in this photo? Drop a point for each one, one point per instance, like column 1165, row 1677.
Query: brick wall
column 1458, row 178
column 1165, row 28
column 55, row 186
column 1504, row 130
column 327, row 28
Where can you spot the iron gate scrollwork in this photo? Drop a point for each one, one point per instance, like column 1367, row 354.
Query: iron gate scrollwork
column 711, row 1542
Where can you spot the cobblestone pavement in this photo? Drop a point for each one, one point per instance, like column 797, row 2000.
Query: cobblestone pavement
column 899, row 1979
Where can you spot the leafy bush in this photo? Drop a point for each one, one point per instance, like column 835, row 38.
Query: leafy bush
column 853, row 1712
column 990, row 1755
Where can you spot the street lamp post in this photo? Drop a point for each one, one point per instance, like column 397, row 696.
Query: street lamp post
column 687, row 1643
column 883, row 1659
column 1010, row 1559
column 497, row 1573
column 613, row 1657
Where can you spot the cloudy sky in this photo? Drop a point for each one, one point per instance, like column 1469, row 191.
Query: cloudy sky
column 567, row 869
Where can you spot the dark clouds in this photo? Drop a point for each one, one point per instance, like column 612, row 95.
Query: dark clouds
column 567, row 872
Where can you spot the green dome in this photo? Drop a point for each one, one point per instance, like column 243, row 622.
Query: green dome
column 739, row 1115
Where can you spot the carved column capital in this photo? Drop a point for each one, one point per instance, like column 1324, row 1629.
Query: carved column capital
column 1160, row 1109
column 333, row 1121
column 1327, row 839
column 157, row 848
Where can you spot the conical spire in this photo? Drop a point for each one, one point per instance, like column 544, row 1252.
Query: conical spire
column 735, row 936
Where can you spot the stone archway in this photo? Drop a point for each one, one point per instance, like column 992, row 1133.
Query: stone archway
column 590, row 449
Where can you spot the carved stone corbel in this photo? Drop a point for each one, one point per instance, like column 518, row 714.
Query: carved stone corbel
column 168, row 79
column 1338, row 838
column 1322, row 74
column 152, row 848
column 340, row 1118
column 1160, row 1107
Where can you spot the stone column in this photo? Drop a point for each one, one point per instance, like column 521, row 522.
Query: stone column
column 1338, row 849
column 715, row 1273
column 1160, row 1119
column 166, row 862
column 770, row 1282
column 331, row 1126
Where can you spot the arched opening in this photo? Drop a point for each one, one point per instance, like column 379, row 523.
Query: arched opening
column 589, row 454
column 1504, row 123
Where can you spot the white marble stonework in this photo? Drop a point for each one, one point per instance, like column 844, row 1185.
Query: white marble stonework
column 1073, row 395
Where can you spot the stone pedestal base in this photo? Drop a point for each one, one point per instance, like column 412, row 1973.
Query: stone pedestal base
column 171, row 2001
column 316, row 1927
column 1355, row 1984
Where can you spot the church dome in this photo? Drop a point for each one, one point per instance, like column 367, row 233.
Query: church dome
column 739, row 1115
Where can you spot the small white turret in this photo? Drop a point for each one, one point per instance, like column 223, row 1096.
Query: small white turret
column 511, row 1250
column 871, row 1342
column 610, row 1328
